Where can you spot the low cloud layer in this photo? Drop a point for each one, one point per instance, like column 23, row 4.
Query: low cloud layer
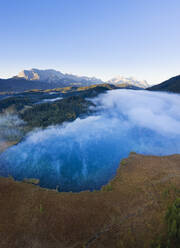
column 11, row 128
column 52, row 100
column 85, row 154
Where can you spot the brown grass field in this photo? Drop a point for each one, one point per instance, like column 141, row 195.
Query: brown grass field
column 128, row 212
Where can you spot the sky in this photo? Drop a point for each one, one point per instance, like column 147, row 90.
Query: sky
column 102, row 38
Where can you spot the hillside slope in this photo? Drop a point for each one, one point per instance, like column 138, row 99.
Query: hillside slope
column 128, row 212
column 20, row 85
column 170, row 85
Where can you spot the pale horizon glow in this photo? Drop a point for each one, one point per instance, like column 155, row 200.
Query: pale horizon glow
column 92, row 38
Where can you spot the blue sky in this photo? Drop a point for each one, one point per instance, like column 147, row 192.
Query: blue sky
column 102, row 38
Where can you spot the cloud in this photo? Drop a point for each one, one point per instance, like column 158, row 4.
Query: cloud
column 156, row 111
column 85, row 154
column 52, row 100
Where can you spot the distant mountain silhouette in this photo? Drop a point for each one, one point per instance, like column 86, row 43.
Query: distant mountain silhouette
column 53, row 76
column 20, row 85
column 170, row 85
column 17, row 84
column 50, row 79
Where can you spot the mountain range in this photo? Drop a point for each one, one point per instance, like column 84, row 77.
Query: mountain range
column 130, row 81
column 53, row 76
column 49, row 79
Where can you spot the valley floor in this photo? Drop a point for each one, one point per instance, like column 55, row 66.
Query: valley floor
column 128, row 212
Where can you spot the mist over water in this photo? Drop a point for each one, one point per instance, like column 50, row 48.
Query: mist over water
column 11, row 128
column 86, row 153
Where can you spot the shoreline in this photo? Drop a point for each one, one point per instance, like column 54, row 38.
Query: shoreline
column 129, row 209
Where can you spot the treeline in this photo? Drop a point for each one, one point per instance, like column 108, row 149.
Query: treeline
column 68, row 109
column 17, row 102
column 172, row 237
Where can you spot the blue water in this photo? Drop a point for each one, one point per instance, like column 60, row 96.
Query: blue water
column 85, row 154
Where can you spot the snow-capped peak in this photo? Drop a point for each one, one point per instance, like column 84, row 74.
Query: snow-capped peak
column 130, row 81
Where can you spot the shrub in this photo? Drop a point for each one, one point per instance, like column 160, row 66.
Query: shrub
column 123, row 162
column 107, row 187
column 173, row 221
column 172, row 238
